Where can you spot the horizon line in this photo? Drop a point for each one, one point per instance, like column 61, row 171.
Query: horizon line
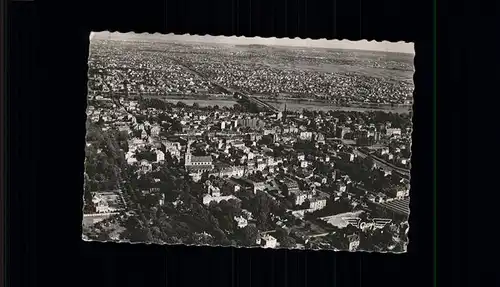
column 363, row 45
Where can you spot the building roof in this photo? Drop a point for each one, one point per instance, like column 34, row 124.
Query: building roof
column 401, row 206
column 267, row 237
column 196, row 168
column 201, row 159
column 290, row 182
column 322, row 195
column 251, row 181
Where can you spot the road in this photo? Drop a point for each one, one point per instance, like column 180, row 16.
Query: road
column 385, row 165
column 132, row 200
column 196, row 73
column 313, row 103
column 396, row 168
column 226, row 90
column 259, row 102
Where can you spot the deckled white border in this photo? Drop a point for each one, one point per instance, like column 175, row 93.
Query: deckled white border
column 373, row 45
column 309, row 43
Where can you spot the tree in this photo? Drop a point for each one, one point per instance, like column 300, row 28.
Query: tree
column 287, row 204
column 88, row 206
column 176, row 126
column 169, row 160
column 181, row 104
column 103, row 236
column 150, row 200
column 261, row 206
column 146, row 154
column 137, row 133
column 396, row 178
column 248, row 235
column 338, row 240
column 384, row 236
column 284, row 239
column 376, row 239
column 227, row 223
column 121, row 136
column 238, row 108
column 341, row 205
column 135, row 231
column 231, row 207
column 403, row 231
column 368, row 162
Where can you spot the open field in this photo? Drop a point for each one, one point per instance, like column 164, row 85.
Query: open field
column 389, row 74
column 202, row 69
column 203, row 102
column 90, row 220
column 291, row 104
column 321, row 106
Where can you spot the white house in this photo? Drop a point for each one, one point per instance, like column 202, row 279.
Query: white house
column 155, row 131
column 101, row 205
column 342, row 187
column 301, row 157
column 306, row 135
column 353, row 242
column 160, row 156
column 242, row 222
column 146, row 166
column 268, row 241
column 209, row 198
column 317, row 204
column 129, row 156
column 300, row 198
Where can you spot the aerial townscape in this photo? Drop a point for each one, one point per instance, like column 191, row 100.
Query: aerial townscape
column 247, row 145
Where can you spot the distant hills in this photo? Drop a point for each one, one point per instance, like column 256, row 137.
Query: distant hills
column 253, row 46
column 258, row 42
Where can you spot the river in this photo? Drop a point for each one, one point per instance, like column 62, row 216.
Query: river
column 319, row 106
column 204, row 102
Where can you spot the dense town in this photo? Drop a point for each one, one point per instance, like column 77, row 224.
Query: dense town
column 176, row 173
column 200, row 69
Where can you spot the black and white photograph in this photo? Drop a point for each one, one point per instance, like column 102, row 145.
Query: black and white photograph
column 248, row 142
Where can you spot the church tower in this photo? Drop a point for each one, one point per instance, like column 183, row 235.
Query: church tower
column 188, row 156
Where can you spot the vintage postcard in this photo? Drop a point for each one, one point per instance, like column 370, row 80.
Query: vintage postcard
column 248, row 142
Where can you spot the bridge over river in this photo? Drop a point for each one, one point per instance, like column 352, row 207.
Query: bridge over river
column 258, row 102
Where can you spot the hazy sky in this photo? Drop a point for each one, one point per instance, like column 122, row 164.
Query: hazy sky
column 400, row 47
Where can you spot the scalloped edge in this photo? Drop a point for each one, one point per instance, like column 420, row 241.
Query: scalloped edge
column 235, row 247
column 92, row 35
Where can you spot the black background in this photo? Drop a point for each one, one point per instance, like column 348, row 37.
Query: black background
column 48, row 46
